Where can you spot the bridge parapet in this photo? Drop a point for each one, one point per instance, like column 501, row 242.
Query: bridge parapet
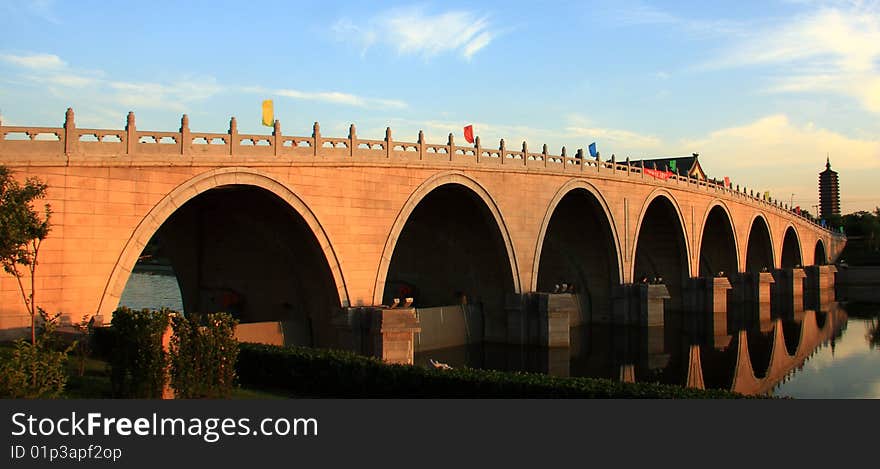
column 69, row 145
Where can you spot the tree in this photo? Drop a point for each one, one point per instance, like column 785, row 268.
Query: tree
column 22, row 231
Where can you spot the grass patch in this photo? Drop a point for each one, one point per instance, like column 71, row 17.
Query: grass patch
column 332, row 373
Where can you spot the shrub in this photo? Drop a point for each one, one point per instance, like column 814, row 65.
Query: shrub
column 331, row 373
column 203, row 355
column 35, row 370
column 138, row 363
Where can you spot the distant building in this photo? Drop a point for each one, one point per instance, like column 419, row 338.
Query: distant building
column 829, row 192
column 682, row 165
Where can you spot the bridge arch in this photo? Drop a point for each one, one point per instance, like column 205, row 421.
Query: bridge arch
column 759, row 246
column 578, row 242
column 667, row 252
column 791, row 249
column 819, row 253
column 718, row 249
column 453, row 178
column 168, row 205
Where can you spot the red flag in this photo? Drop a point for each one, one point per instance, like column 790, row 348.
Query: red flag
column 469, row 133
column 726, row 182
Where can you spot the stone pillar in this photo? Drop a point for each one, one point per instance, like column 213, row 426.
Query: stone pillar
column 651, row 304
column 789, row 289
column 820, row 284
column 717, row 289
column 544, row 320
column 391, row 333
column 640, row 304
column 384, row 333
column 761, row 287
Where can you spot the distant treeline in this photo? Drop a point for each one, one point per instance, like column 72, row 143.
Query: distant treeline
column 863, row 236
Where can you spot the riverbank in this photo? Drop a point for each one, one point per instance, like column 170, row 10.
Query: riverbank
column 859, row 283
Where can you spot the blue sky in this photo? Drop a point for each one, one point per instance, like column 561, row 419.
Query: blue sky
column 762, row 90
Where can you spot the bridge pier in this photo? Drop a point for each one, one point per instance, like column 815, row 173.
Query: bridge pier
column 383, row 333
column 820, row 285
column 545, row 320
column 640, row 304
column 788, row 289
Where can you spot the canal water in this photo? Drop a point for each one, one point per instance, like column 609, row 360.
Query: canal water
column 830, row 353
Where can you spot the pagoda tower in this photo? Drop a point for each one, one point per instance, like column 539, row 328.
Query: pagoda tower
column 829, row 192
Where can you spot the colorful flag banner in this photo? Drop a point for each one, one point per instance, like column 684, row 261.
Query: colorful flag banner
column 268, row 113
column 673, row 166
column 766, row 195
column 658, row 173
column 727, row 182
column 469, row 133
column 593, row 152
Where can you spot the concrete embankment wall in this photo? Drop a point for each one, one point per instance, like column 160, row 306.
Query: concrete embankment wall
column 859, row 283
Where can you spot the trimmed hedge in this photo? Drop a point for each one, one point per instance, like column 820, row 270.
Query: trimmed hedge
column 332, row 373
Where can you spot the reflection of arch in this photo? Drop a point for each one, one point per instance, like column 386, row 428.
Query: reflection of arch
column 659, row 192
column 791, row 240
column 420, row 193
column 717, row 203
column 569, row 186
column 819, row 253
column 770, row 245
column 190, row 189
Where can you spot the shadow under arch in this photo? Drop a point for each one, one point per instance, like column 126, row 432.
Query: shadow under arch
column 791, row 255
column 419, row 194
column 657, row 255
column 819, row 253
column 578, row 243
column 718, row 227
column 759, row 245
column 188, row 190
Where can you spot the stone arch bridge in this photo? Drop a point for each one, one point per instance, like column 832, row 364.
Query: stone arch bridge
column 319, row 231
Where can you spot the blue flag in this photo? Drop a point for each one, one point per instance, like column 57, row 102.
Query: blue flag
column 593, row 151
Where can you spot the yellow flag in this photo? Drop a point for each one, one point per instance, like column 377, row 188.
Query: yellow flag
column 268, row 113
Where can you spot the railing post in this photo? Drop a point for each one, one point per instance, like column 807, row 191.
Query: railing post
column 546, row 153
column 580, row 158
column 316, row 137
column 642, row 168
column 233, row 135
column 501, row 151
column 421, row 145
column 185, row 139
column 277, row 140
column 628, row 166
column 450, row 144
column 564, row 155
column 478, row 147
column 131, row 138
column 352, row 139
column 389, row 144
column 525, row 152
column 69, row 132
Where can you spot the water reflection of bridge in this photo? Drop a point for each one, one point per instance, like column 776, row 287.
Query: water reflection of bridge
column 763, row 360
column 750, row 350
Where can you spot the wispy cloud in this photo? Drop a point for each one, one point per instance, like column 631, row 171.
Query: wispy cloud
column 413, row 31
column 336, row 97
column 774, row 153
column 833, row 49
column 35, row 61
column 638, row 13
column 774, row 141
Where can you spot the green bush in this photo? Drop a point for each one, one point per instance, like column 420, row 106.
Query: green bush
column 138, row 364
column 330, row 373
column 38, row 370
column 203, row 355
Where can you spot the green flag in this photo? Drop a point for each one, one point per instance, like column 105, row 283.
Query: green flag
column 672, row 166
